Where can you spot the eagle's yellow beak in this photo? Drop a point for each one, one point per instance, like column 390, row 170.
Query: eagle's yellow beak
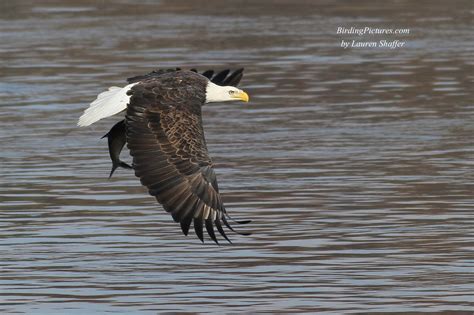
column 242, row 96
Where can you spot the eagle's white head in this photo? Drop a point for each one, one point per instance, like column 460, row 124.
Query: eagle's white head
column 217, row 93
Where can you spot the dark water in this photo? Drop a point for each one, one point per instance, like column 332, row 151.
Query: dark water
column 355, row 165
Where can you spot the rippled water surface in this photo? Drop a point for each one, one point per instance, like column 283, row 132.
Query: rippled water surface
column 356, row 166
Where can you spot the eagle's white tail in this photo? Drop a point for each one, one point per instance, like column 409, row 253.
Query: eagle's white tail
column 106, row 104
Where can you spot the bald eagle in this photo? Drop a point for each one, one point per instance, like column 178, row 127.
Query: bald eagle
column 163, row 131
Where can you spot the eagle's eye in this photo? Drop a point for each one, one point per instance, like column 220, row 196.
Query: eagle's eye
column 231, row 92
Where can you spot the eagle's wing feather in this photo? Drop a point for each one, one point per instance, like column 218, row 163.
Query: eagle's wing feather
column 234, row 78
column 224, row 77
column 220, row 77
column 171, row 159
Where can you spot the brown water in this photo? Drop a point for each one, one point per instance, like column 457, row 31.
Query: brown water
column 355, row 165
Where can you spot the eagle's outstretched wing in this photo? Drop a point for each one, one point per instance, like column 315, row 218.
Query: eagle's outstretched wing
column 222, row 78
column 166, row 141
